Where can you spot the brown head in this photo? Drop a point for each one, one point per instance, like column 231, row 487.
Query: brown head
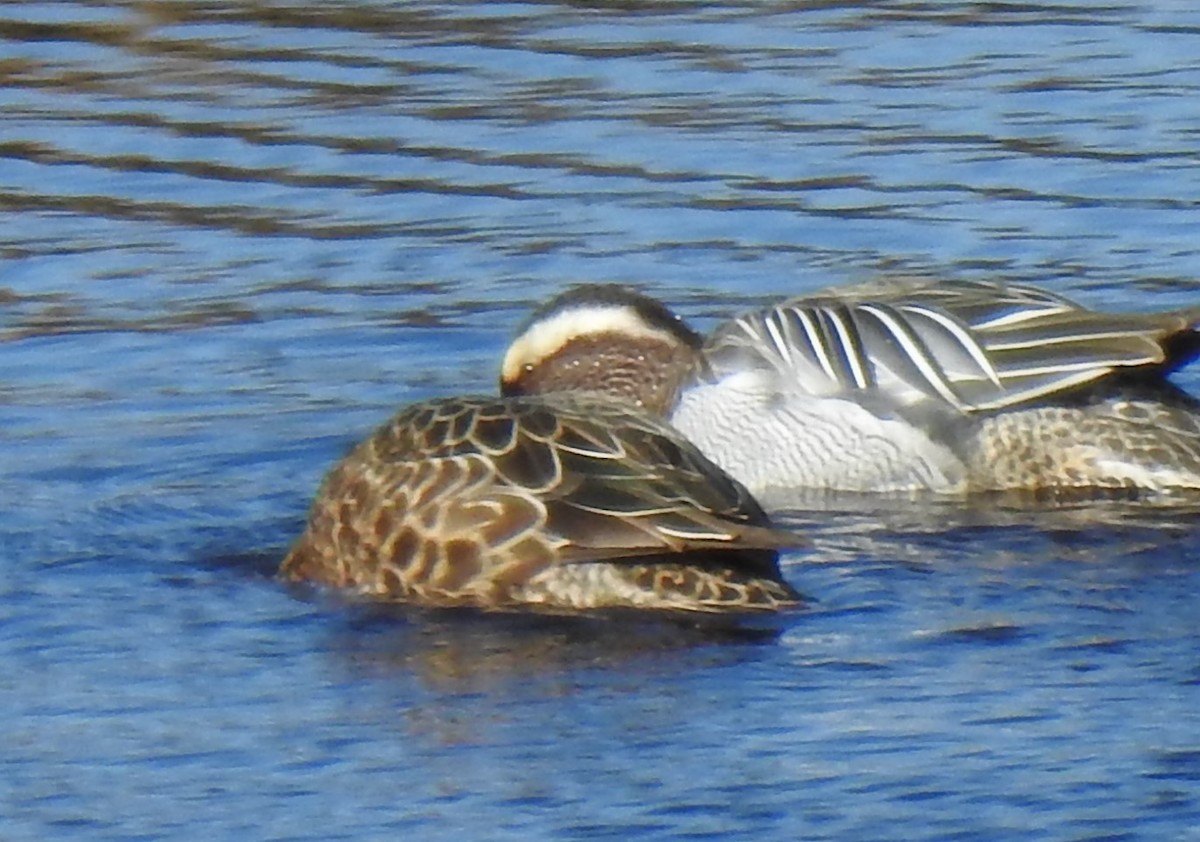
column 603, row 338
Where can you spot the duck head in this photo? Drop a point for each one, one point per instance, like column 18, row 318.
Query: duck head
column 607, row 339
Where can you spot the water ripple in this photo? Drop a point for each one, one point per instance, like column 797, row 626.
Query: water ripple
column 236, row 236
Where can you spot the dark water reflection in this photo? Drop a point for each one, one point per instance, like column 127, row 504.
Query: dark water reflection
column 234, row 236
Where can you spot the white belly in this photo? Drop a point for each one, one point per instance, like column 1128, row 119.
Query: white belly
column 776, row 443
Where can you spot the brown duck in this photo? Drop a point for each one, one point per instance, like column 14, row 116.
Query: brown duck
column 560, row 502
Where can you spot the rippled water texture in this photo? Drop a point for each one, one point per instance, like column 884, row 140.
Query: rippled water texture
column 235, row 236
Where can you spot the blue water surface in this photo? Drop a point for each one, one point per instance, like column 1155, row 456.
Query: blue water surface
column 236, row 236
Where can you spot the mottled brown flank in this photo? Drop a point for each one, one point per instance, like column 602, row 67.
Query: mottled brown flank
column 346, row 537
column 391, row 583
column 385, row 525
column 463, row 562
column 1107, row 444
column 711, row 585
column 643, row 371
column 404, row 547
column 429, row 557
column 409, row 515
column 518, row 516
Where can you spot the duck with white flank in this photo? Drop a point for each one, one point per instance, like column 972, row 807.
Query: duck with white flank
column 951, row 388
column 559, row 503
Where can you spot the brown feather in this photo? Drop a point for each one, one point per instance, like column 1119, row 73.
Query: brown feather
column 473, row 499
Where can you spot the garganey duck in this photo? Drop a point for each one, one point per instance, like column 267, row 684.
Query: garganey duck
column 952, row 388
column 558, row 502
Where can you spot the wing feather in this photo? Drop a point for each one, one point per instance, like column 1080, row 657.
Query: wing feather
column 971, row 345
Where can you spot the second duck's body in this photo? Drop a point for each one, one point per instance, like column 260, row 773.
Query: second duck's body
column 949, row 388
